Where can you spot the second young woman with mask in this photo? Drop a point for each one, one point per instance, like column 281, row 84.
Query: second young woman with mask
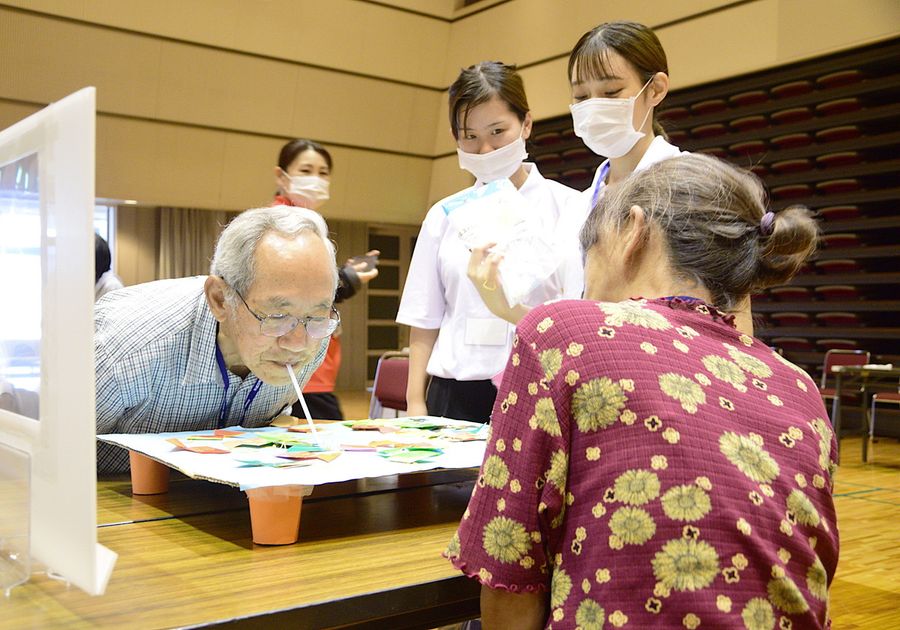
column 454, row 338
column 619, row 75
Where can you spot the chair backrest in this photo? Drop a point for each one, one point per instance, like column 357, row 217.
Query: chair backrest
column 389, row 388
column 842, row 357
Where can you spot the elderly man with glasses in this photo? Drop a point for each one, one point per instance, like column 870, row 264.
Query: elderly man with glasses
column 213, row 351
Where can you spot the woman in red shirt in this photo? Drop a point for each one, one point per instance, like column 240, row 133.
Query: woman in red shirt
column 650, row 463
column 303, row 176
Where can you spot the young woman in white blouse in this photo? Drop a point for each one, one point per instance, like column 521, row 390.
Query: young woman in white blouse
column 454, row 338
column 619, row 75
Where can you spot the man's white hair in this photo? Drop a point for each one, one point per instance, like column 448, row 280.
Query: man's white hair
column 235, row 257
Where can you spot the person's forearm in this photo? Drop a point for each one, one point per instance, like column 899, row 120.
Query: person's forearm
column 421, row 344
column 513, row 315
column 501, row 610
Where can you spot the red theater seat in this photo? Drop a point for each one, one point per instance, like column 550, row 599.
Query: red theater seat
column 709, row 130
column 791, row 294
column 793, row 344
column 840, row 78
column 718, row 152
column 838, row 106
column 797, row 165
column 835, row 134
column 674, row 113
column 838, row 186
column 759, row 170
column 578, row 153
column 792, row 88
column 838, row 265
column 839, row 213
column 747, row 147
column 837, row 344
column 791, row 191
column 746, row 123
column 791, row 319
column 678, row 136
column 750, row 97
column 838, row 318
column 844, row 239
column 709, row 106
column 792, row 140
column 791, row 115
column 840, row 158
column 546, row 138
column 837, row 292
column 548, row 160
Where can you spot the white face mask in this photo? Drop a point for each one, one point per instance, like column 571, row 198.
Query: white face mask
column 498, row 164
column 309, row 191
column 604, row 124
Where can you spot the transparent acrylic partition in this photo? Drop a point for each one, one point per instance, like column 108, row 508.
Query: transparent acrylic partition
column 47, row 397
column 15, row 497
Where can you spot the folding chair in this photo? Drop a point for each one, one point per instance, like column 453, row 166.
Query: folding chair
column 389, row 388
column 840, row 357
column 882, row 397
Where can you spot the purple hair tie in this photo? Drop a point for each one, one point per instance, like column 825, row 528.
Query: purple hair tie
column 766, row 224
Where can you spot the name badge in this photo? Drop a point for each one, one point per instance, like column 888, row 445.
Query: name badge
column 486, row 332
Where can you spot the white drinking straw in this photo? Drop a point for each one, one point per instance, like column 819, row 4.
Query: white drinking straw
column 312, row 427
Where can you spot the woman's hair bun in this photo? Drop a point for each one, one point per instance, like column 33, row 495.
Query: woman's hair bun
column 782, row 253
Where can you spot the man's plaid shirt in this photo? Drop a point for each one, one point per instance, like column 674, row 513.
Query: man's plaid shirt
column 155, row 349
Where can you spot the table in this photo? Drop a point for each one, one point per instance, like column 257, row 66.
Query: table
column 369, row 554
column 862, row 376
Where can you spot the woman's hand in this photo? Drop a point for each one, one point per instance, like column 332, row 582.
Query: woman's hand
column 484, row 272
column 421, row 345
column 416, row 409
column 361, row 267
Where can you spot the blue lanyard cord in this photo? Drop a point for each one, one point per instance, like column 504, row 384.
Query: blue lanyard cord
column 604, row 171
column 223, row 410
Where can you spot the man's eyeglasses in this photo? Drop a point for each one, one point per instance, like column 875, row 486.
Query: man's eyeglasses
column 280, row 325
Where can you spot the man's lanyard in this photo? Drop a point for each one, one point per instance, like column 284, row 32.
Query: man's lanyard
column 223, row 411
column 604, row 171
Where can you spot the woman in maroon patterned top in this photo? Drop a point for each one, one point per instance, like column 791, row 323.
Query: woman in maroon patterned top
column 650, row 464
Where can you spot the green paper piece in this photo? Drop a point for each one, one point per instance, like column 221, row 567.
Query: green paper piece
column 306, row 448
column 411, row 455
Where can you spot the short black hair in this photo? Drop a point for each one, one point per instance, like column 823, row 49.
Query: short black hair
column 292, row 149
column 102, row 257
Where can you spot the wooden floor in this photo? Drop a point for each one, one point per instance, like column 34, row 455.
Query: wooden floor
column 868, row 504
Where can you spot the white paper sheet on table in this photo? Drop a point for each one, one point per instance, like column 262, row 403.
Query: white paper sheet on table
column 225, row 468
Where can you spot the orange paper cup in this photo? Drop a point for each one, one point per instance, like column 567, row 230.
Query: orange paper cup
column 275, row 514
column 148, row 476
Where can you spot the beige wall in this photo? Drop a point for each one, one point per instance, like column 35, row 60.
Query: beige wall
column 196, row 96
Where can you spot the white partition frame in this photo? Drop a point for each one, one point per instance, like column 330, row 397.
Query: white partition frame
column 62, row 444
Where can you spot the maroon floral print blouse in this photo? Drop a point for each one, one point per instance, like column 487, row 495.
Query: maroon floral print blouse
column 649, row 465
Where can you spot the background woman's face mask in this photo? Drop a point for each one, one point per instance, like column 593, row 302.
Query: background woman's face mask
column 605, row 124
column 309, row 191
column 498, row 164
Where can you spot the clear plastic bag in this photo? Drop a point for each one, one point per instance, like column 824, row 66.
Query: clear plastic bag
column 498, row 213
